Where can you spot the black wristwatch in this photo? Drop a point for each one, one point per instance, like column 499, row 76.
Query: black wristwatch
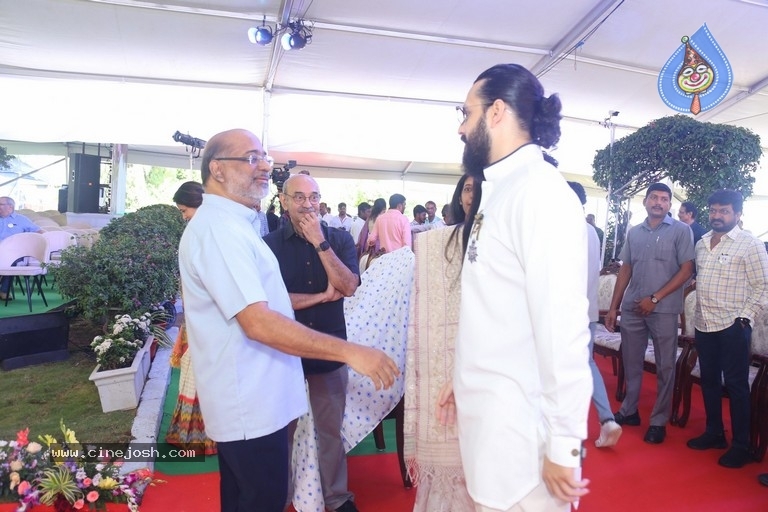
column 744, row 321
column 324, row 246
column 654, row 299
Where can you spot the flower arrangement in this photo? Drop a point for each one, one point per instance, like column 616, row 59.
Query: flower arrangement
column 118, row 347
column 36, row 473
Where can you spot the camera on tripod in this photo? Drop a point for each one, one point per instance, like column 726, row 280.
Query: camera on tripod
column 280, row 174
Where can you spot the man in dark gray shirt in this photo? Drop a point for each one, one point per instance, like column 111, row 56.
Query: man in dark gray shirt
column 657, row 262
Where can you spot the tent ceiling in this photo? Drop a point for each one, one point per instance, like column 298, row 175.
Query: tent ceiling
column 375, row 89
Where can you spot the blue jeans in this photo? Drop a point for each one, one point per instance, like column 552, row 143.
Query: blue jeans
column 599, row 395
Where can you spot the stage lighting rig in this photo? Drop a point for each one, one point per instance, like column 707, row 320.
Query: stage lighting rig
column 294, row 36
column 194, row 145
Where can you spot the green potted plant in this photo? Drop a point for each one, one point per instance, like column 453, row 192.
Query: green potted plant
column 123, row 361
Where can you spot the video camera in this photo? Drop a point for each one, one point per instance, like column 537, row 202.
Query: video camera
column 280, row 174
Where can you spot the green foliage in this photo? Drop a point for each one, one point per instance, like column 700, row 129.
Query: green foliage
column 39, row 396
column 58, row 481
column 161, row 220
column 156, row 176
column 5, row 158
column 700, row 157
column 133, row 264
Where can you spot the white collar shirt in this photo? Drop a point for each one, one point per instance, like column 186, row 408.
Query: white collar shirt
column 246, row 388
column 522, row 381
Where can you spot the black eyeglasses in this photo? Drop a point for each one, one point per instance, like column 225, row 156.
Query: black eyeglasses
column 314, row 197
column 462, row 111
column 253, row 160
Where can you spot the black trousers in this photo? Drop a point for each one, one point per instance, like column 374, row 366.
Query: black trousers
column 724, row 357
column 254, row 473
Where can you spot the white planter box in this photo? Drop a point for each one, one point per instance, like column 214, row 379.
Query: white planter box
column 121, row 389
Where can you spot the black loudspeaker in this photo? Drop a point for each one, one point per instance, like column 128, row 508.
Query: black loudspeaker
column 83, row 190
column 63, row 199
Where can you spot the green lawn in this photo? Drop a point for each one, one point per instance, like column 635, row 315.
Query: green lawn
column 40, row 396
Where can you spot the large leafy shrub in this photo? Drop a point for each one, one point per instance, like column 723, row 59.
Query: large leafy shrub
column 133, row 264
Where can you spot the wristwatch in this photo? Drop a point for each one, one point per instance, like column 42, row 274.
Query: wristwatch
column 654, row 299
column 324, row 246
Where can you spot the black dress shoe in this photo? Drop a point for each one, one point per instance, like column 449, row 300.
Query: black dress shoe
column 736, row 457
column 632, row 420
column 655, row 434
column 763, row 479
column 707, row 440
column 347, row 506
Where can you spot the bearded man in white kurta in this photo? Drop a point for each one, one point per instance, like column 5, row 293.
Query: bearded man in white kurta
column 522, row 383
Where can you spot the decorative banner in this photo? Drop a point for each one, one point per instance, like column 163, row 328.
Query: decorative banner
column 697, row 76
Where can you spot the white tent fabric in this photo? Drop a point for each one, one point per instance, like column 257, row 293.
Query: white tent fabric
column 374, row 92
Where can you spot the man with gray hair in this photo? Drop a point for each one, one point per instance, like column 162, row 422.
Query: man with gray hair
column 243, row 339
column 319, row 267
column 10, row 224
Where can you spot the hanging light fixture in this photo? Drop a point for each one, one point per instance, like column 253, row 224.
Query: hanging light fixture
column 297, row 36
column 294, row 36
column 261, row 35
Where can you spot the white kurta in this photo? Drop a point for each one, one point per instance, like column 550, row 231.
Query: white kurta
column 522, row 380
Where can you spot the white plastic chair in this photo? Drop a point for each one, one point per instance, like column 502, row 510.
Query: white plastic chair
column 57, row 241
column 19, row 246
column 46, row 222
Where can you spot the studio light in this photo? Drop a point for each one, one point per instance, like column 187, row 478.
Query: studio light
column 294, row 36
column 261, row 35
column 193, row 144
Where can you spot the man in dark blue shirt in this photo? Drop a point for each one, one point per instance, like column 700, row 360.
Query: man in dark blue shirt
column 319, row 267
column 687, row 214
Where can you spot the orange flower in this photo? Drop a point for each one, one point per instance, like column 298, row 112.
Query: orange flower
column 21, row 437
column 144, row 473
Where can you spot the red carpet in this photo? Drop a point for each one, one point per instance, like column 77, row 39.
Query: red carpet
column 633, row 477
column 375, row 480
